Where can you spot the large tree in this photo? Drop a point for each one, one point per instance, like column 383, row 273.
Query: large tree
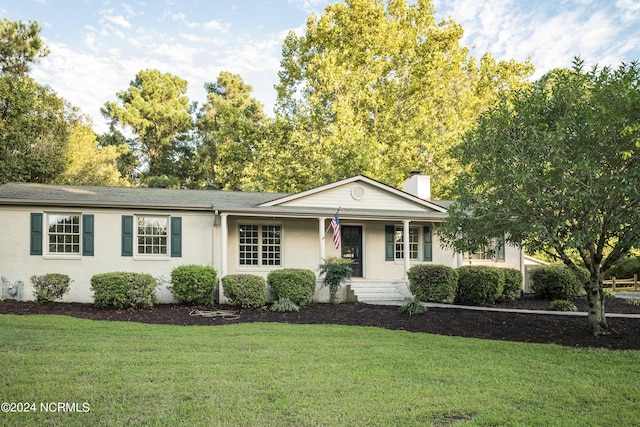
column 379, row 88
column 231, row 125
column 20, row 46
column 155, row 107
column 557, row 169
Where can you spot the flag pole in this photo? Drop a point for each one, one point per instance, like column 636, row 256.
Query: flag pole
column 327, row 230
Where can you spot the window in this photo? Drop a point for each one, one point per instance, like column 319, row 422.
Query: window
column 420, row 243
column 492, row 252
column 152, row 235
column 260, row 244
column 63, row 234
column 414, row 241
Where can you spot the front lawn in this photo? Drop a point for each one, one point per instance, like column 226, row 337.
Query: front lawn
column 281, row 374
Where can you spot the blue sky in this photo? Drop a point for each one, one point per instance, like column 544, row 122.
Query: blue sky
column 98, row 46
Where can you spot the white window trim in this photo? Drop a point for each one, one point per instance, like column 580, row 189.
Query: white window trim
column 151, row 257
column 260, row 266
column 45, row 236
column 420, row 243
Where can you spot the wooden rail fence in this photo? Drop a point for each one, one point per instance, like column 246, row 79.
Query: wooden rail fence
column 627, row 284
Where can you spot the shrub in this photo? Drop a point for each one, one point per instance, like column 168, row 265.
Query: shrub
column 633, row 301
column 563, row 305
column 413, row 307
column 625, row 268
column 336, row 271
column 297, row 285
column 193, row 284
column 554, row 281
column 284, row 305
column 50, row 287
column 434, row 283
column 479, row 285
column 124, row 290
column 512, row 284
column 245, row 290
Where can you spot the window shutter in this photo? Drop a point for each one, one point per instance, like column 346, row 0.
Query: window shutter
column 427, row 248
column 87, row 235
column 176, row 236
column 36, row 233
column 389, row 243
column 127, row 235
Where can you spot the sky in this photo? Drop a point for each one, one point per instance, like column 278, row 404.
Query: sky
column 98, row 46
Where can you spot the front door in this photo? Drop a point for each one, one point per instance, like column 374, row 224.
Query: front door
column 352, row 247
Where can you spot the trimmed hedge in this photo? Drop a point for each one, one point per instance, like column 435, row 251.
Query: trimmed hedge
column 194, row 284
column 433, row 282
column 50, row 287
column 124, row 290
column 479, row 285
column 555, row 281
column 296, row 284
column 512, row 284
column 245, row 290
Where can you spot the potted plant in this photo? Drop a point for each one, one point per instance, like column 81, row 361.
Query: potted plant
column 334, row 272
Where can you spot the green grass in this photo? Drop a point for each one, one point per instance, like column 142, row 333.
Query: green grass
column 304, row 375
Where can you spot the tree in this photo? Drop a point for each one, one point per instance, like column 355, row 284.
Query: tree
column 87, row 162
column 380, row 91
column 157, row 110
column 20, row 45
column 34, row 131
column 231, row 125
column 126, row 162
column 557, row 169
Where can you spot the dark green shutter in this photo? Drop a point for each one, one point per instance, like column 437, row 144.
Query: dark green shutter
column 427, row 246
column 176, row 236
column 127, row 235
column 36, row 233
column 87, row 235
column 389, row 242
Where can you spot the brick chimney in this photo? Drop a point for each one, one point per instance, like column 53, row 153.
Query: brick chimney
column 418, row 185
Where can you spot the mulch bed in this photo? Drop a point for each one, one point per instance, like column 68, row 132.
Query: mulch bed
column 522, row 327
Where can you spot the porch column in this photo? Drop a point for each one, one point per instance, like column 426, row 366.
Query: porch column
column 459, row 259
column 321, row 233
column 406, row 247
column 224, row 243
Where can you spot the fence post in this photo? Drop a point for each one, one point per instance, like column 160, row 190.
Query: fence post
column 613, row 284
column 635, row 282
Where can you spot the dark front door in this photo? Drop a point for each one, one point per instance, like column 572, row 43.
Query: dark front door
column 352, row 247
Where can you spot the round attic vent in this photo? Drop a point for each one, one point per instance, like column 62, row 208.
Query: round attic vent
column 357, row 193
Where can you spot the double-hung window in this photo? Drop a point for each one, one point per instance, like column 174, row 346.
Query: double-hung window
column 152, row 235
column 492, row 252
column 420, row 243
column 414, row 242
column 61, row 234
column 260, row 245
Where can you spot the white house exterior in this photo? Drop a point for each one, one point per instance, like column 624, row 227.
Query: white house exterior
column 82, row 231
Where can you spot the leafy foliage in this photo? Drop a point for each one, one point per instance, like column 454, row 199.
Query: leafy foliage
column 334, row 272
column 378, row 88
column 124, row 290
column 554, row 281
column 245, row 290
column 479, row 285
column 50, row 287
column 284, row 305
column 563, row 305
column 194, row 284
column 296, row 285
column 512, row 284
column 413, row 307
column 20, row 46
column 625, row 268
column 433, row 282
column 633, row 301
column 558, row 169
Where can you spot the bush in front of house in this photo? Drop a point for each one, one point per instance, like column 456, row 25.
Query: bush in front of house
column 413, row 307
column 512, row 284
column 284, row 305
column 296, row 284
column 554, row 281
column 194, row 284
column 433, row 282
column 245, row 290
column 50, row 287
column 563, row 305
column 479, row 285
column 124, row 290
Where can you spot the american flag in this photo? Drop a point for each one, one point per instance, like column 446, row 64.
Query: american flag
column 335, row 226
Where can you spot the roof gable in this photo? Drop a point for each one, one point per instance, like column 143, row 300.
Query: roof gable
column 358, row 192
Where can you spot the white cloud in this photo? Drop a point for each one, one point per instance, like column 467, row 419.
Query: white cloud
column 107, row 15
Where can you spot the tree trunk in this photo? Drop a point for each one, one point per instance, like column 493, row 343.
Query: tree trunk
column 595, row 300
